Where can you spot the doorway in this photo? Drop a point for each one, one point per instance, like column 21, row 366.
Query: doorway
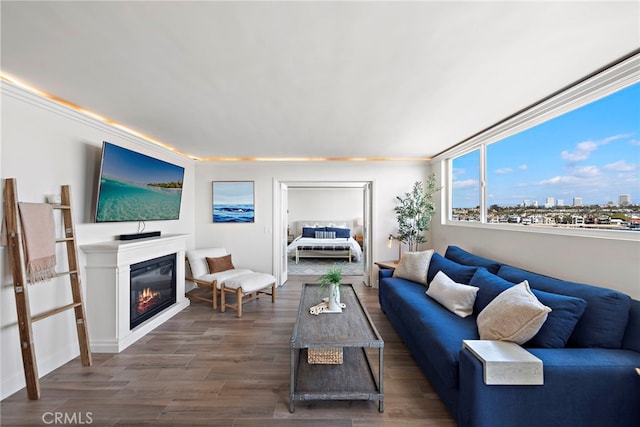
column 306, row 191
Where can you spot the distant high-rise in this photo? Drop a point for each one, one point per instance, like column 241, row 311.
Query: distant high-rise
column 624, row 199
column 526, row 203
column 577, row 201
column 550, row 202
column 535, row 203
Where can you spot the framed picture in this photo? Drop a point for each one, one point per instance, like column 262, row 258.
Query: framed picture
column 233, row 201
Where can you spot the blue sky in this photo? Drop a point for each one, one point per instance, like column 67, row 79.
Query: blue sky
column 134, row 167
column 592, row 152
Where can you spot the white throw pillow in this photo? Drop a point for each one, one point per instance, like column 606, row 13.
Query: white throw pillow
column 414, row 266
column 456, row 297
column 515, row 315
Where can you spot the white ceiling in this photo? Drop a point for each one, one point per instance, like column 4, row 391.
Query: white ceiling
column 311, row 79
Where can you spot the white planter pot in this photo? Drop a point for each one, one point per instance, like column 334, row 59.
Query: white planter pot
column 334, row 298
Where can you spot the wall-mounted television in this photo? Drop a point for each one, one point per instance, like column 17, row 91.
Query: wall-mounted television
column 136, row 187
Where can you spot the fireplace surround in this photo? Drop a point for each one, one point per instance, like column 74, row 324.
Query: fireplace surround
column 110, row 267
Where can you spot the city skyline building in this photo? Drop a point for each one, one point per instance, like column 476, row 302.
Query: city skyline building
column 550, row 201
column 577, row 201
column 624, row 199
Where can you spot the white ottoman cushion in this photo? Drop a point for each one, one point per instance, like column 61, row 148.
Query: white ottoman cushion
column 250, row 282
column 222, row 276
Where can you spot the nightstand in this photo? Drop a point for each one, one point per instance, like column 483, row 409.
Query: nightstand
column 358, row 238
column 290, row 238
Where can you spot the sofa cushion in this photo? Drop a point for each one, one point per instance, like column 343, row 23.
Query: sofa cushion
column 515, row 315
column 455, row 297
column 435, row 333
column 413, row 266
column 605, row 317
column 560, row 323
column 459, row 255
column 457, row 272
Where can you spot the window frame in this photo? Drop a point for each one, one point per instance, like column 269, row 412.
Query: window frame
column 611, row 78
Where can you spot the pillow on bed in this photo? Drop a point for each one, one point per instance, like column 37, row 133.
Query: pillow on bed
column 325, row 235
column 341, row 233
column 311, row 231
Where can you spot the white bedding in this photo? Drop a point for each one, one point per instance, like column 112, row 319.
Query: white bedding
column 318, row 244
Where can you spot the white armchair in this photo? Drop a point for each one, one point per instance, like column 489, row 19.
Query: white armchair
column 197, row 272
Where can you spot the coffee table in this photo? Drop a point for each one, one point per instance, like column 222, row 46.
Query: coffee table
column 352, row 332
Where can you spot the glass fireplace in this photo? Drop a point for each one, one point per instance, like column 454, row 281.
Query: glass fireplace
column 153, row 288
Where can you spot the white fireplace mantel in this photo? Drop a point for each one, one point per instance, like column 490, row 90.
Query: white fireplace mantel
column 107, row 288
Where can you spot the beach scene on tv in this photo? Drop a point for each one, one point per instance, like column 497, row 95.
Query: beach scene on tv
column 136, row 187
column 233, row 201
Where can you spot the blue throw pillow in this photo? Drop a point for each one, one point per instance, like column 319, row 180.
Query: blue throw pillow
column 458, row 272
column 341, row 233
column 556, row 330
column 605, row 318
column 311, row 231
column 459, row 255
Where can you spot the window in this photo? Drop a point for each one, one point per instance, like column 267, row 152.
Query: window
column 571, row 161
column 465, row 185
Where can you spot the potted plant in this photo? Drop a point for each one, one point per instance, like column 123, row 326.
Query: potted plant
column 414, row 213
column 332, row 279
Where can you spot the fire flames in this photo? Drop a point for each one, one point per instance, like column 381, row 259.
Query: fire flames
column 147, row 299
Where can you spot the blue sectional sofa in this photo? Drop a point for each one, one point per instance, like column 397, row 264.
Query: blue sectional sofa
column 589, row 346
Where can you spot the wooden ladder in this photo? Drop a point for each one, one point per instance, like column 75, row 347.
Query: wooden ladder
column 20, row 281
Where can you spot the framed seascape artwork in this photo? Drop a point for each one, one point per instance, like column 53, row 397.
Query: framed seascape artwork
column 233, row 201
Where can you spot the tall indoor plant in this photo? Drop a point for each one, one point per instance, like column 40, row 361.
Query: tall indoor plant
column 414, row 213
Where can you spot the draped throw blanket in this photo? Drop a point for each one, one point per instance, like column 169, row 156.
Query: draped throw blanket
column 39, row 238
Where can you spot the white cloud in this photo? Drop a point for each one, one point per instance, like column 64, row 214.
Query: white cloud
column 584, row 149
column 620, row 166
column 567, row 179
column 466, row 183
column 503, row 171
column 456, row 172
column 523, row 167
column 582, row 152
column 586, row 171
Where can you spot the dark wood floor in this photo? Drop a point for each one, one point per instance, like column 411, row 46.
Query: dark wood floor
column 211, row 368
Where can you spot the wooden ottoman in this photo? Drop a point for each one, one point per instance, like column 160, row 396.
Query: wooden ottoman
column 245, row 285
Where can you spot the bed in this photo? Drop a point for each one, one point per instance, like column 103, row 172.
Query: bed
column 324, row 239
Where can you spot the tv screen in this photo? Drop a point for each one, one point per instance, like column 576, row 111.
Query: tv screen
column 136, row 187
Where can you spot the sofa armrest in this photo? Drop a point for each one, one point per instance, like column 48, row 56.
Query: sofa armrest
column 575, row 382
column 385, row 272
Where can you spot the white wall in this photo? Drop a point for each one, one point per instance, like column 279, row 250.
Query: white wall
column 45, row 146
column 252, row 244
column 325, row 204
column 603, row 262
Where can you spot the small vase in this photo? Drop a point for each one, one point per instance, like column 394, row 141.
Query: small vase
column 334, row 298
